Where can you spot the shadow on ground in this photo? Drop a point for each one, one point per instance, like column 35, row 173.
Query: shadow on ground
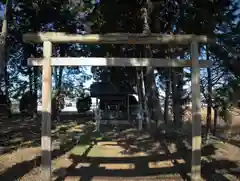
column 156, row 147
column 19, row 170
column 133, row 142
column 18, row 132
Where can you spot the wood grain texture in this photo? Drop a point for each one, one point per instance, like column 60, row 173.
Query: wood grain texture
column 117, row 62
column 112, row 38
column 196, row 115
column 46, row 113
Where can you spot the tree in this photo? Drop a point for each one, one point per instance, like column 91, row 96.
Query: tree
column 63, row 19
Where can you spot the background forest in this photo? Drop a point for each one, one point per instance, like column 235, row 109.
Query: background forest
column 218, row 19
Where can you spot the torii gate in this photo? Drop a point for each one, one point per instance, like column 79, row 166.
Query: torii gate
column 116, row 38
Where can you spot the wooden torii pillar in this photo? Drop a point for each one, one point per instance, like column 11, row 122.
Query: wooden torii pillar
column 196, row 115
column 46, row 143
column 117, row 38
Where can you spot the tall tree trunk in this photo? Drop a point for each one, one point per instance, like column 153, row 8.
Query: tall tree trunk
column 152, row 91
column 35, row 86
column 55, row 75
column 6, row 80
column 177, row 90
column 35, row 72
column 180, row 102
column 30, row 79
column 174, row 95
column 60, row 72
column 209, row 100
column 145, row 100
column 215, row 118
column 4, row 33
column 167, row 95
column 35, row 80
column 140, row 93
column 4, row 48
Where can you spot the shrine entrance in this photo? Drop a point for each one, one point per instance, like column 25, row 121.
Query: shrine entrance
column 48, row 61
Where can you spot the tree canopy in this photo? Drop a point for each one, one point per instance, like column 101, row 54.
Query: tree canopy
column 218, row 19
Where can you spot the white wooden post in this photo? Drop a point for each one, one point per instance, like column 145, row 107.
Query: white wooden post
column 46, row 112
column 196, row 115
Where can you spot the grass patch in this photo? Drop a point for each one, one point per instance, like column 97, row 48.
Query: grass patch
column 97, row 151
column 86, row 147
column 79, row 149
column 88, row 150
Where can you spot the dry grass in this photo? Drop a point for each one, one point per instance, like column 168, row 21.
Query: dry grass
column 18, row 156
column 204, row 114
column 188, row 115
column 235, row 116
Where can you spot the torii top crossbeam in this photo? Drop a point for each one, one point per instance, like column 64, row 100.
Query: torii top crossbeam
column 113, row 38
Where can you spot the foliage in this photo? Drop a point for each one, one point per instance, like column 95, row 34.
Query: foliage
column 31, row 16
column 212, row 18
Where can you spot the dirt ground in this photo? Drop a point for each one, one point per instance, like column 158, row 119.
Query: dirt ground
column 124, row 154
